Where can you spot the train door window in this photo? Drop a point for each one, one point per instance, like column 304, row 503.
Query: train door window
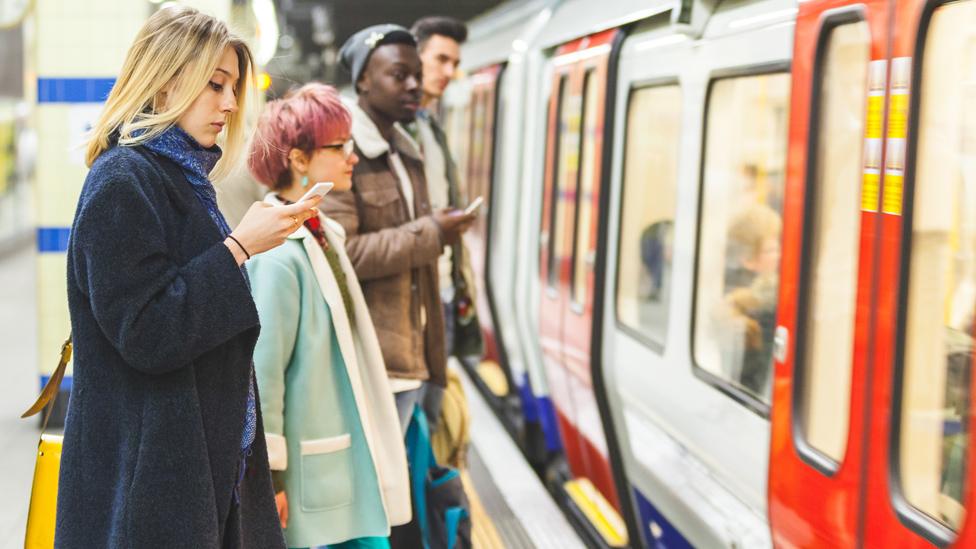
column 826, row 337
column 585, row 182
column 737, row 274
column 935, row 366
column 647, row 208
column 566, row 160
column 479, row 128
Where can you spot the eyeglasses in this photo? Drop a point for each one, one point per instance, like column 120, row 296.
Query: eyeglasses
column 346, row 147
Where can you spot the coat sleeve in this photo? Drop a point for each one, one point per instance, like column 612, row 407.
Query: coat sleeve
column 277, row 295
column 388, row 251
column 159, row 315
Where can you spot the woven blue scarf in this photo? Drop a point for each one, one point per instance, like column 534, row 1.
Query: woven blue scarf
column 197, row 162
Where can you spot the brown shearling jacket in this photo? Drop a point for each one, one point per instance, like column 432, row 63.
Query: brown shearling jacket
column 394, row 257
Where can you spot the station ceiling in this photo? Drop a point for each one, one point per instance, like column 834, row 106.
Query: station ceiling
column 312, row 31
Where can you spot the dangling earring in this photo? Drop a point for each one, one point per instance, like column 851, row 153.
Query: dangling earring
column 304, row 181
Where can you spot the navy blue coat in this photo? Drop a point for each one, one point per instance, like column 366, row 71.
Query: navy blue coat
column 164, row 328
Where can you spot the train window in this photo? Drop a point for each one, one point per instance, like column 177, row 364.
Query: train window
column 650, row 189
column 480, row 128
column 586, row 179
column 566, row 160
column 737, row 273
column 936, row 366
column 831, row 251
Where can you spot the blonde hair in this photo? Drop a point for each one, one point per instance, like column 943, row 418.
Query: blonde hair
column 181, row 47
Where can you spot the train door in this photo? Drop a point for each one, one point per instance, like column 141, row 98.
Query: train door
column 827, row 268
column 919, row 490
column 568, row 250
column 478, row 182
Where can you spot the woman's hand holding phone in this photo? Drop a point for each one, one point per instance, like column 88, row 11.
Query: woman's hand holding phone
column 265, row 227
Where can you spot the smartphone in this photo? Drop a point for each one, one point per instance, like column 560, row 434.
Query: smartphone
column 320, row 189
column 474, row 205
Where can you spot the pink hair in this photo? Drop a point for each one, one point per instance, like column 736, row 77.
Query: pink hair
column 306, row 119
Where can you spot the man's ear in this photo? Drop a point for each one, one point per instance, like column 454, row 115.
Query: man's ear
column 362, row 86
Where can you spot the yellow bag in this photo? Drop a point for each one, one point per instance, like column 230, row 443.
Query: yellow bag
column 450, row 439
column 44, row 492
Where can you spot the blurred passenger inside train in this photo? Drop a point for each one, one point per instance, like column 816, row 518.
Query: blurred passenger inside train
column 439, row 42
column 163, row 441
column 656, row 248
column 334, row 442
column 751, row 292
column 393, row 236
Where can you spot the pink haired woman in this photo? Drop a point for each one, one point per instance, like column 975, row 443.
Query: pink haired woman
column 334, row 440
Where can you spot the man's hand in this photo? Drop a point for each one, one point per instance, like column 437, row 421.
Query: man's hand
column 453, row 223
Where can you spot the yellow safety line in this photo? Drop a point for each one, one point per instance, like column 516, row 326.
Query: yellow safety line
column 598, row 511
column 483, row 532
column 492, row 375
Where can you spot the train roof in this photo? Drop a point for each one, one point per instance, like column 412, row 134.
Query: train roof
column 578, row 18
column 491, row 35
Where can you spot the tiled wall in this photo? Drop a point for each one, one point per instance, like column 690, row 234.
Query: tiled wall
column 74, row 53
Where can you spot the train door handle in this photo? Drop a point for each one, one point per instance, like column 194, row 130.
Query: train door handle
column 781, row 343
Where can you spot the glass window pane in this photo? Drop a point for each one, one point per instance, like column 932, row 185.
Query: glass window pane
column 588, row 175
column 647, row 207
column 740, row 230
column 567, row 162
column 834, row 243
column 942, row 276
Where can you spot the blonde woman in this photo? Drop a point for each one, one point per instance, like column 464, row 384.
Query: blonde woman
column 163, row 443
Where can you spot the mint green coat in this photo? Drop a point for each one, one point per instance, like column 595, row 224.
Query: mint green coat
column 329, row 416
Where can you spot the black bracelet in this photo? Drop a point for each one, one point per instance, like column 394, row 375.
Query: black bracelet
column 243, row 249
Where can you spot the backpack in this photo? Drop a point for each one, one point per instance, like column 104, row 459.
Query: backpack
column 441, row 510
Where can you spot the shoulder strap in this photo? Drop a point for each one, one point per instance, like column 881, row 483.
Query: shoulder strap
column 50, row 391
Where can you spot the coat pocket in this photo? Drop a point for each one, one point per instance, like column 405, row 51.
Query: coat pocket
column 327, row 473
column 381, row 208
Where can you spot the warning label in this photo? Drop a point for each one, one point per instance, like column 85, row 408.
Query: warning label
column 894, row 178
column 870, row 187
column 873, row 127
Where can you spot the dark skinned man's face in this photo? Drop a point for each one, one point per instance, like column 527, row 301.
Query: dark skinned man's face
column 391, row 82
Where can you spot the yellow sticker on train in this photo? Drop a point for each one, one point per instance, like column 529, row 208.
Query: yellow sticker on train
column 870, row 185
column 898, row 119
column 875, row 116
column 893, row 190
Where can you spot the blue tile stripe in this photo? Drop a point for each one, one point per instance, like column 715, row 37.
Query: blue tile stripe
column 73, row 90
column 65, row 382
column 52, row 239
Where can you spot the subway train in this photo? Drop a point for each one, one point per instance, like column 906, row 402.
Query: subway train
column 726, row 265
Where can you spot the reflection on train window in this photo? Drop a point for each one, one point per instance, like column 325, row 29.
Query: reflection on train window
column 938, row 352
column 835, row 220
column 586, row 179
column 566, row 160
column 478, row 169
column 739, row 230
column 647, row 211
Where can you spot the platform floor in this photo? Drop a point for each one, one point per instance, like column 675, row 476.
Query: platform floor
column 18, row 386
column 510, row 507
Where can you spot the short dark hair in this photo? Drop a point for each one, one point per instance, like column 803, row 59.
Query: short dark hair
column 450, row 27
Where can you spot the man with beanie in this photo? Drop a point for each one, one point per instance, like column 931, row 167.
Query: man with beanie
column 393, row 237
